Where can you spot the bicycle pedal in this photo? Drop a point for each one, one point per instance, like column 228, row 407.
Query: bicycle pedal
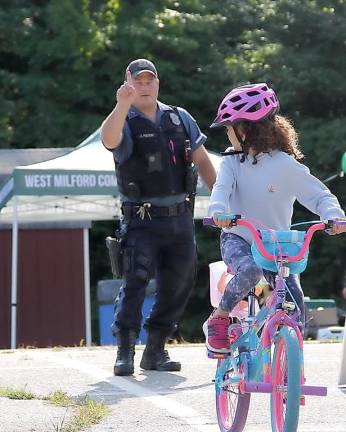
column 288, row 306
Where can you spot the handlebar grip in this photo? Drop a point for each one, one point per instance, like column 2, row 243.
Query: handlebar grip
column 339, row 222
column 232, row 218
column 331, row 223
column 209, row 221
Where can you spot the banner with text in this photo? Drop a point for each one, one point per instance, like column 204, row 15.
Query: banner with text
column 28, row 182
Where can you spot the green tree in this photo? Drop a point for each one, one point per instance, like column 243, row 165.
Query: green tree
column 46, row 72
column 297, row 48
column 61, row 62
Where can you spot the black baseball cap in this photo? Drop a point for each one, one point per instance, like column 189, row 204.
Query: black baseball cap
column 136, row 67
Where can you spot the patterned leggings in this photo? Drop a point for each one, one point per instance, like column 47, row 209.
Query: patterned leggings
column 236, row 253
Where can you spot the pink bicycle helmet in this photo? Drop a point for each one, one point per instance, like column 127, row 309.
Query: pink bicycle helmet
column 253, row 102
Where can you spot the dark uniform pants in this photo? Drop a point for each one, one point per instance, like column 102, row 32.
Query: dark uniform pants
column 162, row 248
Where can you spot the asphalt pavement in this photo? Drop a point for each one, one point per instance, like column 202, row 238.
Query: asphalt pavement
column 152, row 401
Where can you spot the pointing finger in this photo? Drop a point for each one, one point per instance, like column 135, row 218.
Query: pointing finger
column 128, row 77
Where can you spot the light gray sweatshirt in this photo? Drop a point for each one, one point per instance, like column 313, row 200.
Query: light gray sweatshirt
column 265, row 192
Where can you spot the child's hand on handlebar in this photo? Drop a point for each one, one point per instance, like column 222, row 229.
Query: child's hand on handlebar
column 338, row 228
column 221, row 223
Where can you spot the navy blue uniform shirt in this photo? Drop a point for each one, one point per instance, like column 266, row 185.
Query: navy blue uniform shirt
column 125, row 149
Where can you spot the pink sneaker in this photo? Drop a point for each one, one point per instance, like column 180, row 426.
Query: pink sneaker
column 216, row 333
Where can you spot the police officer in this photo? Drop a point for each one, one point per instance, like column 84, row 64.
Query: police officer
column 153, row 145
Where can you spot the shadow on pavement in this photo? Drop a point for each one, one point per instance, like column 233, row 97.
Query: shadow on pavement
column 163, row 383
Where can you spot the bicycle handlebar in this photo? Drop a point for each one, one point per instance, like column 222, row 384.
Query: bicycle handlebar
column 237, row 220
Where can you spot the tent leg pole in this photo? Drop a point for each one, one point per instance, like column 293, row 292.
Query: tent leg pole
column 87, row 287
column 342, row 376
column 14, row 269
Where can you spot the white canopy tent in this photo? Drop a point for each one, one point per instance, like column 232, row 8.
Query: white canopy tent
column 78, row 186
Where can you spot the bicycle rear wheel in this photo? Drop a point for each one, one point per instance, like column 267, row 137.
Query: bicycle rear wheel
column 285, row 397
column 231, row 406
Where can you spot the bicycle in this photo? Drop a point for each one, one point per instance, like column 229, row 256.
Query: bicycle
column 268, row 356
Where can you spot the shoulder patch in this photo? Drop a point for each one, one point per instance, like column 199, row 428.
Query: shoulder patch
column 175, row 119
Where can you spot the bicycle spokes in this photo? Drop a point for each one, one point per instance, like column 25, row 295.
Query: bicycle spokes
column 231, row 406
column 280, row 389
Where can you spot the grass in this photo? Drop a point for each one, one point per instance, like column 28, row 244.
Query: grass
column 87, row 412
column 60, row 398
column 20, row 393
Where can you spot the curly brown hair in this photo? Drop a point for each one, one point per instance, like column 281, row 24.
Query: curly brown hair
column 276, row 133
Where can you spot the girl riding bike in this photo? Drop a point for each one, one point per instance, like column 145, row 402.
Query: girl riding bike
column 260, row 177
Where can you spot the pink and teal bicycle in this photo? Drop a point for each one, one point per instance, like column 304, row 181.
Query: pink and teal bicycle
column 268, row 356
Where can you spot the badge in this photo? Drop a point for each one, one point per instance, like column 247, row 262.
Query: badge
column 175, row 119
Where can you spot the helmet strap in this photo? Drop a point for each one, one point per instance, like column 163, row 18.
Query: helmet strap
column 241, row 142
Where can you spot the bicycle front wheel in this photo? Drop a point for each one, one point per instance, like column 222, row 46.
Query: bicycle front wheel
column 231, row 406
column 285, row 397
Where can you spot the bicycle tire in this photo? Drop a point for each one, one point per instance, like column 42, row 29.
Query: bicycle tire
column 231, row 406
column 286, row 371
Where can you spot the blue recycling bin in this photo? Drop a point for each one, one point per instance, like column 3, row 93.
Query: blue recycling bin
column 107, row 291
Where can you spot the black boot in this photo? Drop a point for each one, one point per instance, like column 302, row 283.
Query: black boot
column 126, row 340
column 155, row 357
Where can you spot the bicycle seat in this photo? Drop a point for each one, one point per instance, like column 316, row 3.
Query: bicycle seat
column 287, row 243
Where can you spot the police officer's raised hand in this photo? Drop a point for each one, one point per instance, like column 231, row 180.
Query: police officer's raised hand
column 126, row 93
column 112, row 127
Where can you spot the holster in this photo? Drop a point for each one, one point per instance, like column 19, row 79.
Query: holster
column 116, row 251
column 191, row 179
column 191, row 185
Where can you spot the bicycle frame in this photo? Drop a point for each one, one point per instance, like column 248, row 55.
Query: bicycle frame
column 256, row 376
column 251, row 366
